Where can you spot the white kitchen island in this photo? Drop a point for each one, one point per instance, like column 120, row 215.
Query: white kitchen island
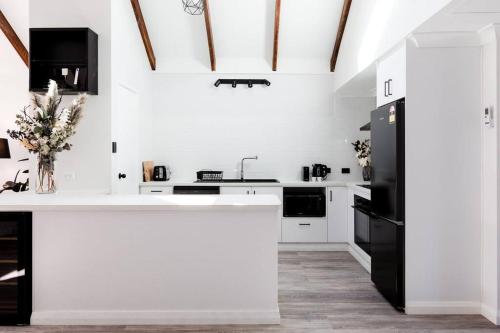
column 125, row 260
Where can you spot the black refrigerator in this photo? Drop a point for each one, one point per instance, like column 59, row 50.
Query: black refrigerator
column 387, row 227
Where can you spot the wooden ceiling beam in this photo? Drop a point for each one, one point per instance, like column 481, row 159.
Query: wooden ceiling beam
column 277, row 13
column 144, row 33
column 210, row 37
column 14, row 39
column 340, row 33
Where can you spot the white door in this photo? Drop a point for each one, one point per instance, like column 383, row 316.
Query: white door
column 337, row 214
column 235, row 190
column 125, row 163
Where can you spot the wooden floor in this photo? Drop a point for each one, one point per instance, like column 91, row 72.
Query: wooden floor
column 320, row 292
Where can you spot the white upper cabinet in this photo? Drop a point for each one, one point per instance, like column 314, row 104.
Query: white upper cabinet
column 337, row 214
column 391, row 77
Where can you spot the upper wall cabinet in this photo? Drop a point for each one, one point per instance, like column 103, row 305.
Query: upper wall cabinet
column 391, row 77
column 65, row 55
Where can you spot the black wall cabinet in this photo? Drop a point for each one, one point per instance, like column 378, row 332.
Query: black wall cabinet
column 65, row 55
column 15, row 268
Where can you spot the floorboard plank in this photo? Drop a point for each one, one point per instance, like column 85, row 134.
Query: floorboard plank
column 319, row 292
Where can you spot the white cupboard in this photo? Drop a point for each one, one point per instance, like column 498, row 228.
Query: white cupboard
column 247, row 190
column 391, row 77
column 236, row 190
column 157, row 190
column 337, row 214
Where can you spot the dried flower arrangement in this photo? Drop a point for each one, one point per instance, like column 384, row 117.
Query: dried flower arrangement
column 43, row 129
column 363, row 152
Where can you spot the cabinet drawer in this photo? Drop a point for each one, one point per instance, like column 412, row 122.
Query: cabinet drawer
column 156, row 190
column 298, row 230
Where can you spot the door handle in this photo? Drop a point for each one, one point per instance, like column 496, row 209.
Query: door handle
column 253, row 192
column 331, row 196
column 385, row 88
column 122, row 176
column 389, row 85
column 248, row 192
column 305, row 224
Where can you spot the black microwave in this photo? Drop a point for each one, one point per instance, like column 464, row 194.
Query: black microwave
column 304, row 202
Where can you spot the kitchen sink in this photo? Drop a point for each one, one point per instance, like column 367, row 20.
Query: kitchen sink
column 241, row 181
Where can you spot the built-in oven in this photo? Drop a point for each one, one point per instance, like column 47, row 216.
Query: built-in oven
column 304, row 202
column 362, row 208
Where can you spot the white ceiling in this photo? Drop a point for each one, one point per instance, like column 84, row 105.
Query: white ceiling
column 243, row 35
column 464, row 16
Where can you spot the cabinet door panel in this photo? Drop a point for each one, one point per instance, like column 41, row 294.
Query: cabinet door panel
column 337, row 214
column 277, row 191
column 15, row 268
column 157, row 190
column 391, row 77
column 236, row 190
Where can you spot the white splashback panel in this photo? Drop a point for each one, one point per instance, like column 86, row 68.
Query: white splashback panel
column 293, row 123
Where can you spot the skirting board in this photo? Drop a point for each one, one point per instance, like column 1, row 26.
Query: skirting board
column 442, row 308
column 155, row 318
column 313, row 247
column 366, row 264
column 490, row 314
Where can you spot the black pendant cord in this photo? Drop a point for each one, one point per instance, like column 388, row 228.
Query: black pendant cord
column 234, row 82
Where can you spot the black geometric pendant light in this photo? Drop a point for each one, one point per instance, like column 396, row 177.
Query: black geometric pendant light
column 193, row 7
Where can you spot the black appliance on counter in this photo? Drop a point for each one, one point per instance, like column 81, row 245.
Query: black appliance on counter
column 304, row 202
column 320, row 171
column 362, row 209
column 15, row 268
column 387, row 216
column 161, row 173
column 198, row 190
column 306, row 174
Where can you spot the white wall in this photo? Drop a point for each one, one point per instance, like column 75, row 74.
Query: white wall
column 89, row 160
column 374, row 27
column 13, row 84
column 292, row 123
column 131, row 128
column 490, row 219
column 443, row 177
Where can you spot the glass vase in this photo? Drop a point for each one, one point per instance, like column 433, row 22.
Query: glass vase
column 45, row 181
column 367, row 173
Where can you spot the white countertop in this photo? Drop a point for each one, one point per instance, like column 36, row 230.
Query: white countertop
column 286, row 183
column 48, row 202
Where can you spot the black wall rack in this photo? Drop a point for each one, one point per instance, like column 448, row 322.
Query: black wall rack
column 234, row 82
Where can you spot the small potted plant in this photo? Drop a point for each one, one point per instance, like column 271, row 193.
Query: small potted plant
column 363, row 153
column 44, row 130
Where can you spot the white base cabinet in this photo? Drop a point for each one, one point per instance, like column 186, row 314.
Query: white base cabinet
column 337, row 214
column 247, row 190
column 157, row 190
column 331, row 229
column 304, row 230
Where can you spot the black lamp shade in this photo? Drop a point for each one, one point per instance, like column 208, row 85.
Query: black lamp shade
column 4, row 148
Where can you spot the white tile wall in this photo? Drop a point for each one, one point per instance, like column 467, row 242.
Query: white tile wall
column 293, row 123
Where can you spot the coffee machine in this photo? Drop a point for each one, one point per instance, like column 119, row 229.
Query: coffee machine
column 320, row 172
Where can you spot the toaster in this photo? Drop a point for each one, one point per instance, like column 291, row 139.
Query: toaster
column 161, row 173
